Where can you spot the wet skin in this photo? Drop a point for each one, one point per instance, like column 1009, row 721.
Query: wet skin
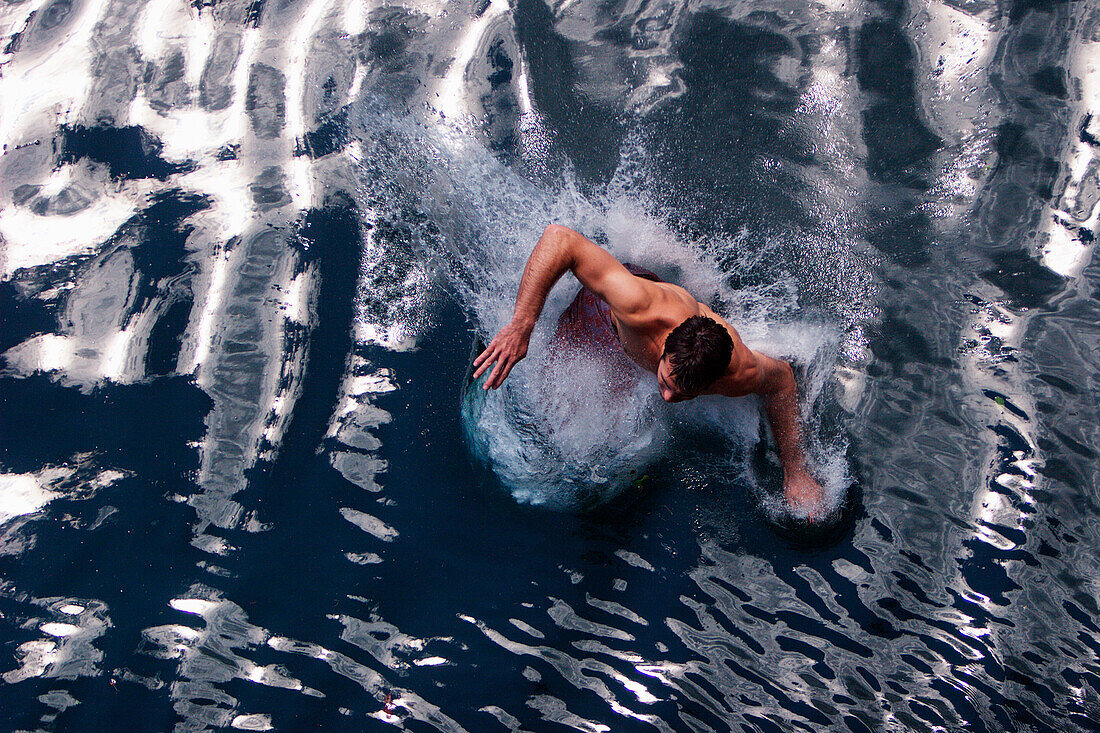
column 644, row 313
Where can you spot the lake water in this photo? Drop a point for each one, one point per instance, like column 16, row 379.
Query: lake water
column 247, row 248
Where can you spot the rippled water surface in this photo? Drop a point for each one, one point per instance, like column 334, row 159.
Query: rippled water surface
column 247, row 247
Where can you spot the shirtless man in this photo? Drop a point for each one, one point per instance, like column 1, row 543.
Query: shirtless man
column 664, row 329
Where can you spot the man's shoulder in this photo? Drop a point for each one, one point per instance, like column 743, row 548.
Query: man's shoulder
column 742, row 377
column 663, row 306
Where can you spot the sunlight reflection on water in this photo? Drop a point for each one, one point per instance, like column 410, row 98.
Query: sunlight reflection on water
column 242, row 246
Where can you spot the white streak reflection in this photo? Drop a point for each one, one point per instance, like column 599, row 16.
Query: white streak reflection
column 69, row 647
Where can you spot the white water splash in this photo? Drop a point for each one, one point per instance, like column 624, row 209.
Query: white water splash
column 559, row 433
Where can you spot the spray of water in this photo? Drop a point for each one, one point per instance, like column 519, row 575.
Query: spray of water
column 567, row 431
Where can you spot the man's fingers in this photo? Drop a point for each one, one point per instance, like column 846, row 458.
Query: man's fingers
column 495, row 379
column 492, row 375
column 481, row 369
column 488, row 350
column 498, row 356
column 486, row 359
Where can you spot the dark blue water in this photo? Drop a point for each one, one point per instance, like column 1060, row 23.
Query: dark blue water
column 246, row 250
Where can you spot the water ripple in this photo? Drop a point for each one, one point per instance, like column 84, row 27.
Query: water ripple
column 242, row 245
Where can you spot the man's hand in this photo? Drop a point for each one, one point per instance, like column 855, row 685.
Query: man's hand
column 505, row 351
column 804, row 494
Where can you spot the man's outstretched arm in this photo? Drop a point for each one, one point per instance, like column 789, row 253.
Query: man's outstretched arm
column 559, row 249
column 777, row 385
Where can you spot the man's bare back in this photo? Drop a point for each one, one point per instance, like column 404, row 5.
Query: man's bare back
column 644, row 313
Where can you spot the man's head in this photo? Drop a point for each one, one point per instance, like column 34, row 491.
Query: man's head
column 697, row 353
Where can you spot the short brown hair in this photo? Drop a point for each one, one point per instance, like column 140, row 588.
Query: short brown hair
column 699, row 352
